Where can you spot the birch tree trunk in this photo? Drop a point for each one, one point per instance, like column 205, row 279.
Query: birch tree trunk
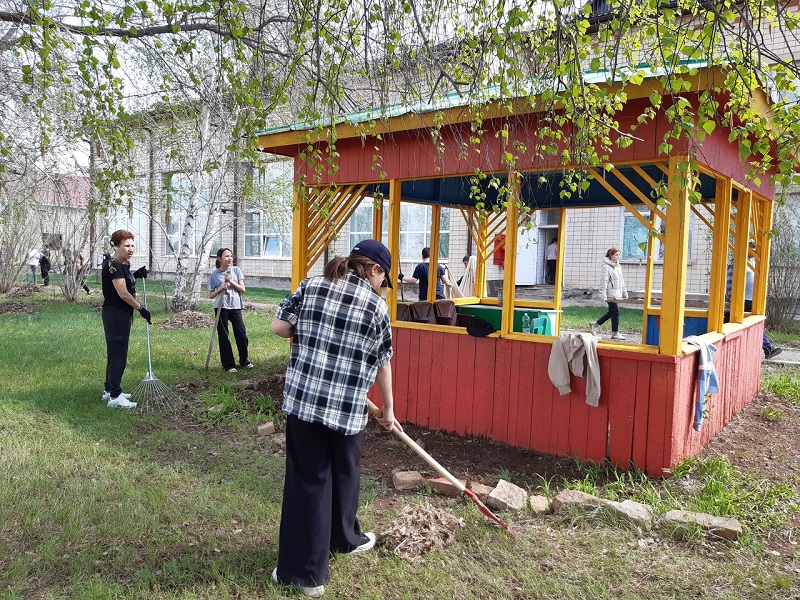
column 181, row 300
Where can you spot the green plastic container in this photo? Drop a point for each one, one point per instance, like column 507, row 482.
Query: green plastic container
column 541, row 320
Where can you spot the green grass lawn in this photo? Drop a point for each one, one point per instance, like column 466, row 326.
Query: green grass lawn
column 99, row 503
column 579, row 317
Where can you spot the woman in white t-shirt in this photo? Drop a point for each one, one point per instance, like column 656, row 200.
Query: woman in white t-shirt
column 226, row 286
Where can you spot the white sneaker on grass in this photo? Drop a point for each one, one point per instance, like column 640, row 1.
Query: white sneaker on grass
column 107, row 396
column 368, row 544
column 316, row 591
column 121, row 401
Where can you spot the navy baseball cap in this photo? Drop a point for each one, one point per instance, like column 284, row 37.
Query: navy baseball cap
column 480, row 327
column 378, row 253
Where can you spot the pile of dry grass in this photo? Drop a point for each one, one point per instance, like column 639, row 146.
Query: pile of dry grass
column 23, row 290
column 16, row 308
column 420, row 529
column 188, row 319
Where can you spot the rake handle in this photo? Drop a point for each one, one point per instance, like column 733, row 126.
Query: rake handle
column 441, row 470
column 213, row 335
column 147, row 327
column 214, row 330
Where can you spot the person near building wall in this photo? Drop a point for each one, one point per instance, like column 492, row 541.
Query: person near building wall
column 33, row 265
column 551, row 257
column 612, row 289
column 421, row 276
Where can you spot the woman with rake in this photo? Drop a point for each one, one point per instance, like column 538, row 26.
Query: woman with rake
column 225, row 287
column 341, row 344
column 119, row 293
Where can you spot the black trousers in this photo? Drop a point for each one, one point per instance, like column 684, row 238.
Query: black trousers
column 117, row 326
column 239, row 334
column 320, row 500
column 613, row 314
column 551, row 271
column 46, row 276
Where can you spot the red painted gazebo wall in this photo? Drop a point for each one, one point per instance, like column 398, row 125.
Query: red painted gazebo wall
column 499, row 389
column 412, row 154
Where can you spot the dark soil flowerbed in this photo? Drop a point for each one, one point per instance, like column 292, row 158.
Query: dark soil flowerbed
column 16, row 308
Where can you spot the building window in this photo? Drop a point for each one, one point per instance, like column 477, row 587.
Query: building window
column 268, row 224
column 635, row 237
column 415, row 229
column 134, row 217
column 266, row 237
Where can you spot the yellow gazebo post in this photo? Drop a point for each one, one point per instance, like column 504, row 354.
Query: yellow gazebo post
column 763, row 248
column 741, row 253
column 299, row 235
column 509, row 266
column 433, row 264
column 675, row 256
column 719, row 254
column 394, row 242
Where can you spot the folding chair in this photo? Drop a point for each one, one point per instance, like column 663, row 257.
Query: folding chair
column 422, row 312
column 445, row 311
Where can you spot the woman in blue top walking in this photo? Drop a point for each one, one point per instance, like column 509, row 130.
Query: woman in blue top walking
column 225, row 287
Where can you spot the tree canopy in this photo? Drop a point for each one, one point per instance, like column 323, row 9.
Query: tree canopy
column 82, row 68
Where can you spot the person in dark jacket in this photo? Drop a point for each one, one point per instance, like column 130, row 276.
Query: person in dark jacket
column 119, row 293
column 44, row 267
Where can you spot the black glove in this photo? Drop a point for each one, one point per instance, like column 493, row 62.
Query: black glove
column 140, row 273
column 145, row 315
column 400, row 277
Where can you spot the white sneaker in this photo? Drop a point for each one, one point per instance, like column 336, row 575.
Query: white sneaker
column 121, row 401
column 617, row 336
column 107, row 396
column 594, row 327
column 368, row 545
column 232, row 370
column 316, row 591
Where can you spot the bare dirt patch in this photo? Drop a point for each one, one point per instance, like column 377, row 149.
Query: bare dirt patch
column 761, row 441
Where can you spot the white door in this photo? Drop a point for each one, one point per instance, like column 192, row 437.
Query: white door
column 528, row 257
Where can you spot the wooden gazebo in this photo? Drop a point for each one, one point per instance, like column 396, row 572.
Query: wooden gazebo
column 649, row 387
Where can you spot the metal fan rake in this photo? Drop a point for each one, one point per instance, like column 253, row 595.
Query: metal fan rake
column 152, row 394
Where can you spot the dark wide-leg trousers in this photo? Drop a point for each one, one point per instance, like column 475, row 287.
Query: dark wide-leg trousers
column 239, row 334
column 320, row 500
column 117, row 326
column 613, row 314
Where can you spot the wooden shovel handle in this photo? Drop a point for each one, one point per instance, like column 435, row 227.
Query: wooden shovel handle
column 377, row 412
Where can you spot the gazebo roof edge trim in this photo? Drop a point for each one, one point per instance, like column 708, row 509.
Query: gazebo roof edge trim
column 454, row 100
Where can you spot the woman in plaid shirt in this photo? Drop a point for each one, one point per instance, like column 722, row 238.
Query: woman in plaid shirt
column 341, row 344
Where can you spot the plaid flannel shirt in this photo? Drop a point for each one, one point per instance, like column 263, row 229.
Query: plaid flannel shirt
column 342, row 335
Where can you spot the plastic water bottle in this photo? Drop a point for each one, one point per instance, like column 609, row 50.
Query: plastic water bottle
column 526, row 323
